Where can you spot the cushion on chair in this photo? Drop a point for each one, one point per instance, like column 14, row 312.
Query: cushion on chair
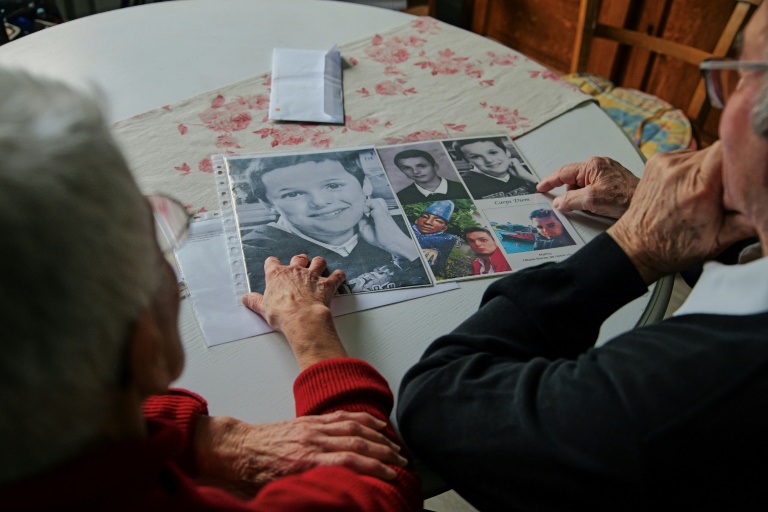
column 654, row 125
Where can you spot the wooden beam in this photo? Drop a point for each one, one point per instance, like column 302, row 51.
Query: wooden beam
column 655, row 44
column 732, row 28
column 480, row 15
column 585, row 30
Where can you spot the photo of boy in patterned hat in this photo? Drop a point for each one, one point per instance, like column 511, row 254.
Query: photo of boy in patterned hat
column 429, row 230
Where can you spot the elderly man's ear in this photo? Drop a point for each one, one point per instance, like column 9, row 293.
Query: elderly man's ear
column 156, row 357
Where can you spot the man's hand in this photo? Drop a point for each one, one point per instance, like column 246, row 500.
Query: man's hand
column 379, row 229
column 677, row 217
column 250, row 456
column 598, row 185
column 296, row 302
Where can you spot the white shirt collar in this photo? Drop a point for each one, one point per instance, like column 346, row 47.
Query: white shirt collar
column 504, row 178
column 342, row 250
column 730, row 289
column 442, row 188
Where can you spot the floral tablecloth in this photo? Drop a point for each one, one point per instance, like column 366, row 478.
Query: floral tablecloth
column 420, row 81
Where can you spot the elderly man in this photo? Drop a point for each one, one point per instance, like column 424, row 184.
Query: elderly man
column 89, row 308
column 518, row 411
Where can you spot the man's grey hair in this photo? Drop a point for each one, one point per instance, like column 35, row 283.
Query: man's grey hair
column 77, row 265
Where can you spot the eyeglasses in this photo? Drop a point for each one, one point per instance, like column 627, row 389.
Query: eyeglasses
column 722, row 77
column 171, row 222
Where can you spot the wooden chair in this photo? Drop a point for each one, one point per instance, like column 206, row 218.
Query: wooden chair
column 454, row 12
column 589, row 28
column 645, row 59
column 421, row 8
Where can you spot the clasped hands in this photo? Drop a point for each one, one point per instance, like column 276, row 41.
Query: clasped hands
column 670, row 220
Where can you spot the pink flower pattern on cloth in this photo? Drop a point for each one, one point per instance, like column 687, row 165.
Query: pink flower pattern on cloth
column 423, row 80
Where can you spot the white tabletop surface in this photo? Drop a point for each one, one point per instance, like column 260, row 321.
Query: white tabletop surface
column 148, row 56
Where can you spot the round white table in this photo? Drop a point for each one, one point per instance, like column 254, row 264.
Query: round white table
column 152, row 55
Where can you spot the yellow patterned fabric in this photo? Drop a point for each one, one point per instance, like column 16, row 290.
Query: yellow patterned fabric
column 654, row 125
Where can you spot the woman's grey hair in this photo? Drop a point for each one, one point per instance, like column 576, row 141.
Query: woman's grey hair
column 78, row 263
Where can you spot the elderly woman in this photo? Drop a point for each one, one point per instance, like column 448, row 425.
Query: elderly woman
column 90, row 346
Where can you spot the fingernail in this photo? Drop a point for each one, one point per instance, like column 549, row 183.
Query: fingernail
column 379, row 423
column 402, row 461
column 395, row 447
column 390, row 474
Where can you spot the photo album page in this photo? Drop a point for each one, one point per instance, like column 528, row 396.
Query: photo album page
column 396, row 216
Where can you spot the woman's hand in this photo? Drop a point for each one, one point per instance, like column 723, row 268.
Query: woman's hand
column 250, row 456
column 296, row 302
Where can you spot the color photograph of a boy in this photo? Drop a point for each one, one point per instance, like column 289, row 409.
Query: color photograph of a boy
column 439, row 229
column 325, row 204
column 421, row 172
column 489, row 258
column 527, row 228
column 491, row 167
column 551, row 233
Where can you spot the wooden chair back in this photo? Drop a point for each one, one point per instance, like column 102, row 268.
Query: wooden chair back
column 454, row 12
column 422, row 9
column 589, row 28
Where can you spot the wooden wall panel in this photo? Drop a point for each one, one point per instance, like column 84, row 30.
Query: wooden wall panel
column 630, row 67
column 603, row 54
column 699, row 24
column 542, row 29
column 545, row 30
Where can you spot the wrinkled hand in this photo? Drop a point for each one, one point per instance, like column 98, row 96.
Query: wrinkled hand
column 598, row 185
column 677, row 217
column 430, row 255
column 250, row 456
column 379, row 229
column 296, row 302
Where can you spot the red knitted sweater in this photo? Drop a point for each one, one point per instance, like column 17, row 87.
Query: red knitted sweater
column 155, row 473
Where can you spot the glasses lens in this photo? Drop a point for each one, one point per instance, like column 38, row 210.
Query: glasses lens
column 714, row 88
column 171, row 222
column 721, row 84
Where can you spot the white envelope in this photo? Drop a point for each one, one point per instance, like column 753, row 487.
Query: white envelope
column 306, row 86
